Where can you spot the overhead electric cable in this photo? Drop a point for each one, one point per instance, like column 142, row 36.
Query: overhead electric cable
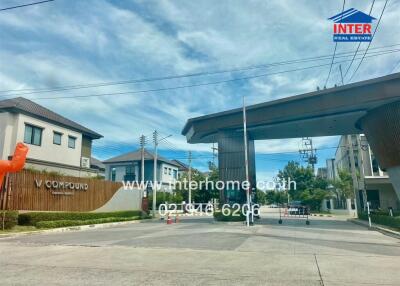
column 359, row 44
column 18, row 92
column 25, row 5
column 199, row 84
column 369, row 44
column 334, row 51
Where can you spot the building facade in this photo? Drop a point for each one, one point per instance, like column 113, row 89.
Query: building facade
column 373, row 184
column 127, row 167
column 56, row 144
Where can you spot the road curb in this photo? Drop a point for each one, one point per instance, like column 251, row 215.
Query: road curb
column 322, row 215
column 73, row 228
column 376, row 227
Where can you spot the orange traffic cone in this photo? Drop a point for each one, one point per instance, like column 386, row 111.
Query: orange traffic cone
column 169, row 220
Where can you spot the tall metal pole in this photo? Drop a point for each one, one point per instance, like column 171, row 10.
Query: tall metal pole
column 246, row 162
column 142, row 144
column 190, row 177
column 341, row 74
column 155, row 139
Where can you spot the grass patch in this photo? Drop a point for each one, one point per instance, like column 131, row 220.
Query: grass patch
column 66, row 223
column 18, row 228
column 32, row 218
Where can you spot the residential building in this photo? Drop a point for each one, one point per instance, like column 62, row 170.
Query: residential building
column 97, row 165
column 182, row 169
column 374, row 184
column 330, row 169
column 55, row 142
column 322, row 173
column 127, row 167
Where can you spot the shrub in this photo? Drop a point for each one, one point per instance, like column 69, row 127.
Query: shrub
column 10, row 219
column 382, row 219
column 219, row 216
column 32, row 218
column 66, row 223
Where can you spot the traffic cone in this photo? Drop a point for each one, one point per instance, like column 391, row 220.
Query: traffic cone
column 169, row 220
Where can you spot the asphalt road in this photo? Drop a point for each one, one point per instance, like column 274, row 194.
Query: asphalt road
column 199, row 252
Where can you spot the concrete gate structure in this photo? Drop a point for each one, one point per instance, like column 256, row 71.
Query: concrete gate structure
column 371, row 107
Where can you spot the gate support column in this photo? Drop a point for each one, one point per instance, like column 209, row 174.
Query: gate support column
column 231, row 164
column 382, row 128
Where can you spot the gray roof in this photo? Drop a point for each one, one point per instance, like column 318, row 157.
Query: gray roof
column 96, row 163
column 23, row 105
column 137, row 156
column 182, row 166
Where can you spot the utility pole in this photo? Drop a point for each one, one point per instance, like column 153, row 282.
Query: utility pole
column 142, row 144
column 308, row 153
column 246, row 162
column 190, row 176
column 155, row 140
column 214, row 155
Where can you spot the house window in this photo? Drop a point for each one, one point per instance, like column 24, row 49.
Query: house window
column 129, row 173
column 33, row 135
column 165, row 170
column 113, row 174
column 57, row 138
column 169, row 171
column 71, row 142
column 175, row 174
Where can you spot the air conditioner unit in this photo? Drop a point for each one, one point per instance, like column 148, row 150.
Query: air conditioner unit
column 85, row 162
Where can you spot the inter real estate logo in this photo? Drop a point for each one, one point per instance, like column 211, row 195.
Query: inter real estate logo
column 352, row 26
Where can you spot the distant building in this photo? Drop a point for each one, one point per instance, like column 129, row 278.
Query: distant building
column 55, row 142
column 374, row 185
column 127, row 167
column 322, row 173
column 330, row 169
column 182, row 169
column 97, row 165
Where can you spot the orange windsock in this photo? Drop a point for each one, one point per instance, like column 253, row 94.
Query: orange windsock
column 16, row 163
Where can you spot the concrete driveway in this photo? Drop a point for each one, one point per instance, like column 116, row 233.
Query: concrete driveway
column 199, row 252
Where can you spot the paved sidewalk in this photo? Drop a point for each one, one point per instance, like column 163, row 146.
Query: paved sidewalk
column 198, row 252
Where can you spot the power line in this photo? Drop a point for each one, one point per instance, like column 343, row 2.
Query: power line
column 160, row 78
column 359, row 44
column 24, row 5
column 334, row 51
column 394, row 68
column 202, row 84
column 369, row 44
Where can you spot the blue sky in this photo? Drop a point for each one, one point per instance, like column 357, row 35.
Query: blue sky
column 92, row 41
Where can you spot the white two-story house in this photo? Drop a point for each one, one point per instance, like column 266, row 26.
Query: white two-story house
column 55, row 142
column 127, row 167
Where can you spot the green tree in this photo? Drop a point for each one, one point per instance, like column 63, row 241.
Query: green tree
column 303, row 176
column 311, row 190
column 202, row 193
column 343, row 187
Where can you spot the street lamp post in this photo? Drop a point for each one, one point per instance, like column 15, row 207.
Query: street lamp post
column 246, row 163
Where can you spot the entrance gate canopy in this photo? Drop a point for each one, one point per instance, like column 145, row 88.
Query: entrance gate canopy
column 333, row 111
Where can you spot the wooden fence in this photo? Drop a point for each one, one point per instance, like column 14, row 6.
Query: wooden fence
column 34, row 191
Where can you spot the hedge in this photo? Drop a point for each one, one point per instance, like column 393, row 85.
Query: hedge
column 66, row 223
column 10, row 219
column 218, row 215
column 382, row 219
column 32, row 218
